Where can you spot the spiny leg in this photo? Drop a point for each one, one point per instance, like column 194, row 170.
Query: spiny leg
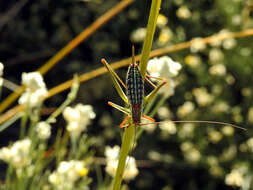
column 123, row 122
column 156, row 88
column 115, row 79
column 112, row 72
column 148, row 118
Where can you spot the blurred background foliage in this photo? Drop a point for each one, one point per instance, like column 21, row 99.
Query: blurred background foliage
column 215, row 82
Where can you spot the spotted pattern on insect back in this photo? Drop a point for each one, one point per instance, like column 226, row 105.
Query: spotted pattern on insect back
column 135, row 91
column 135, row 85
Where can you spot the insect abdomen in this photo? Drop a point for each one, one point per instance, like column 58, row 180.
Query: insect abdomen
column 135, row 85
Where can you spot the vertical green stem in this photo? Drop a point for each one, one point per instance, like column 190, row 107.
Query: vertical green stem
column 129, row 132
column 23, row 124
column 125, row 147
column 154, row 11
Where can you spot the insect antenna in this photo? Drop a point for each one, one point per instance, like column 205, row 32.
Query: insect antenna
column 194, row 121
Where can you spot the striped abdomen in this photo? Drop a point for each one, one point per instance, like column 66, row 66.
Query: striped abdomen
column 135, row 91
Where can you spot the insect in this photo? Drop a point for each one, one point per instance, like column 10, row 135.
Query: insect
column 135, row 92
column 135, row 96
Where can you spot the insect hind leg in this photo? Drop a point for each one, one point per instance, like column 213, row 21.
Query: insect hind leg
column 148, row 118
column 123, row 122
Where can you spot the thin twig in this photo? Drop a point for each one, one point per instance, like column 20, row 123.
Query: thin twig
column 70, row 46
column 11, row 13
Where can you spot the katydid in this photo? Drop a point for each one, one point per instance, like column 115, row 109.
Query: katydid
column 135, row 95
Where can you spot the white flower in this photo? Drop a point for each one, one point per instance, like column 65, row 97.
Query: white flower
column 218, row 70
column 78, row 118
column 230, row 79
column 86, row 111
column 202, row 97
column 183, row 12
column 228, row 153
column 161, row 20
column 220, row 107
column 245, row 51
column 249, row 143
column 234, row 178
column 138, row 35
column 216, row 171
column 250, row 115
column 193, row 60
column 214, row 136
column 187, row 130
column 33, row 81
column 185, row 109
column 17, row 154
column 130, row 171
column 236, row 19
column 5, row 154
column 228, row 130
column 165, row 36
column 247, row 92
column 197, row 45
column 43, row 129
column 216, row 55
column 163, row 67
column 1, row 68
column 166, row 68
column 186, row 146
column 168, row 128
column 112, row 155
column 35, row 92
column 191, row 154
column 163, row 112
column 111, row 167
column 229, row 43
column 67, row 173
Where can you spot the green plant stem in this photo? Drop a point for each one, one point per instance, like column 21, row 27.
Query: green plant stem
column 23, row 124
column 125, row 147
column 154, row 11
column 70, row 98
column 129, row 132
column 8, row 177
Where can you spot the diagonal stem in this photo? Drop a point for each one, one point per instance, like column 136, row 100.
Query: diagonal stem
column 69, row 47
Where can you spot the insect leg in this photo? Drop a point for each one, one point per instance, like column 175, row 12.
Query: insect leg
column 123, row 122
column 149, row 118
column 120, row 108
column 156, row 88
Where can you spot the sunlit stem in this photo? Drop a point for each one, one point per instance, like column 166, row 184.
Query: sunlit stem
column 154, row 11
column 125, row 147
